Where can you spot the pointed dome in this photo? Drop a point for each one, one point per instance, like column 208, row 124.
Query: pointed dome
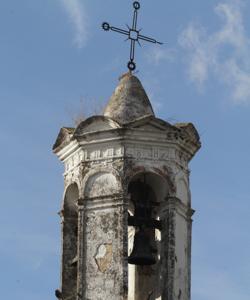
column 129, row 101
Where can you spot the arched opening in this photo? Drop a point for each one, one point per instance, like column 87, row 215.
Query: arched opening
column 147, row 192
column 70, row 243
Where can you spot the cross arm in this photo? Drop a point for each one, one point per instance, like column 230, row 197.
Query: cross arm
column 148, row 39
column 122, row 31
column 107, row 27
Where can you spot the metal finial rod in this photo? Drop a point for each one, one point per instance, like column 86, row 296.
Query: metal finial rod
column 133, row 35
column 135, row 20
column 132, row 51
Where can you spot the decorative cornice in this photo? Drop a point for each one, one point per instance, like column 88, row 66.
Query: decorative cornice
column 182, row 136
column 103, row 202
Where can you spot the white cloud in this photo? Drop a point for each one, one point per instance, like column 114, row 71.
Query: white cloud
column 223, row 54
column 158, row 54
column 78, row 17
column 192, row 39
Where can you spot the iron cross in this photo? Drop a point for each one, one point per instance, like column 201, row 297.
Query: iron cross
column 133, row 35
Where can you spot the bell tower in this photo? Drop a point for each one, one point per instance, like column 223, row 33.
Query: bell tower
column 126, row 212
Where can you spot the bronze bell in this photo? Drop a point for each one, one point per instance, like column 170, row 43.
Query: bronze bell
column 141, row 254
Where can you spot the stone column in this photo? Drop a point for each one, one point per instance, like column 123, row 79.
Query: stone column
column 104, row 246
column 81, row 252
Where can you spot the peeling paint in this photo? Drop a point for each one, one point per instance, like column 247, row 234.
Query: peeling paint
column 101, row 157
column 103, row 257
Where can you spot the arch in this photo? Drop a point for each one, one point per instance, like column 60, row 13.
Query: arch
column 146, row 280
column 71, row 195
column 73, row 184
column 70, row 242
column 101, row 182
column 157, row 179
column 163, row 175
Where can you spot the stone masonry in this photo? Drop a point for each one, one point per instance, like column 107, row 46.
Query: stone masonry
column 103, row 156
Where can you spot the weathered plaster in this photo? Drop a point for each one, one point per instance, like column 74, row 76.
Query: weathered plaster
column 102, row 156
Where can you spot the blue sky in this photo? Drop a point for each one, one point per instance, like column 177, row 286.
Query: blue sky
column 56, row 63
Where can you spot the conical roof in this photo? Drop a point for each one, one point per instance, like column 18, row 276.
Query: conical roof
column 129, row 101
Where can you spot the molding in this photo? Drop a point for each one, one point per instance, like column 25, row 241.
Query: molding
column 67, row 150
column 181, row 209
column 139, row 152
column 103, row 203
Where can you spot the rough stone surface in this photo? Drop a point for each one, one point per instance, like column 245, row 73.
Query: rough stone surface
column 101, row 160
column 129, row 101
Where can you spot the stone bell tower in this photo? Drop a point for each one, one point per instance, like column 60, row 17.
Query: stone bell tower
column 126, row 212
